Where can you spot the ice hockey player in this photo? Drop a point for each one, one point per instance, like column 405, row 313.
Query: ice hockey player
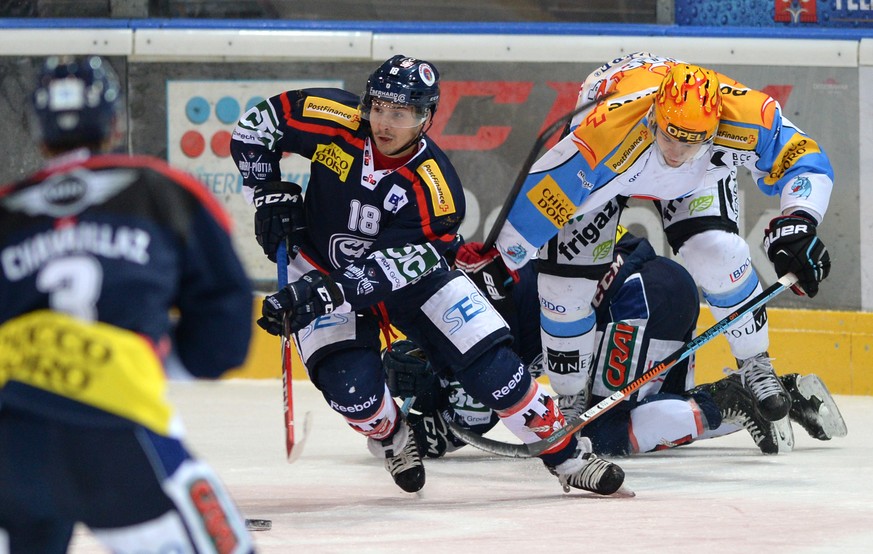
column 646, row 307
column 96, row 250
column 675, row 133
column 382, row 205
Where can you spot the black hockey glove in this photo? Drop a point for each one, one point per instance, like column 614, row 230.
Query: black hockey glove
column 490, row 274
column 409, row 374
column 793, row 247
column 313, row 295
column 278, row 214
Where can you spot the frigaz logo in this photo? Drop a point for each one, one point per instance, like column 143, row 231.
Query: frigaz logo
column 795, row 11
column 199, row 113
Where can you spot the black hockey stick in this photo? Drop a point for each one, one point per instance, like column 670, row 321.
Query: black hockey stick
column 583, row 419
column 542, row 138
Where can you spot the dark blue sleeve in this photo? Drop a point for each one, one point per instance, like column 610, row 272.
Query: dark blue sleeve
column 215, row 301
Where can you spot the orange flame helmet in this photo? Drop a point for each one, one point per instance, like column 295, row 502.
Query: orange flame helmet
column 688, row 103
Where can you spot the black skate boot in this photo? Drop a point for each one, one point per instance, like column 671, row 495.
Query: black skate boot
column 584, row 470
column 813, row 407
column 401, row 458
column 757, row 375
column 737, row 406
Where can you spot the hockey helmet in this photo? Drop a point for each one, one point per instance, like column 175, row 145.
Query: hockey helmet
column 404, row 80
column 76, row 101
column 688, row 104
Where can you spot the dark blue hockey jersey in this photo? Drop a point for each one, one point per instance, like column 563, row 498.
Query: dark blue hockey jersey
column 106, row 264
column 375, row 231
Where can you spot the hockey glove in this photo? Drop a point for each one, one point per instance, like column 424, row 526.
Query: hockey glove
column 489, row 273
column 793, row 247
column 409, row 374
column 313, row 295
column 278, row 214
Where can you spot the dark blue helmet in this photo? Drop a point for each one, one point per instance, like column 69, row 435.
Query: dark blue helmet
column 76, row 101
column 404, row 80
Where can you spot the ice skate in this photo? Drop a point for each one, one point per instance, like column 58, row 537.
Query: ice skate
column 813, row 407
column 737, row 406
column 401, row 458
column 757, row 375
column 572, row 405
column 584, row 470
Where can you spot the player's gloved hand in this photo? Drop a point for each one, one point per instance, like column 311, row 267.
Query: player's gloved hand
column 313, row 295
column 409, row 374
column 793, row 247
column 486, row 269
column 278, row 214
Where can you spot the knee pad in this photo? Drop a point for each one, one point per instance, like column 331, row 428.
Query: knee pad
column 567, row 331
column 719, row 261
column 498, row 378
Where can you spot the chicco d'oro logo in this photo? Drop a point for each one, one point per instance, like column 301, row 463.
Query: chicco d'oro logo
column 551, row 201
column 335, row 159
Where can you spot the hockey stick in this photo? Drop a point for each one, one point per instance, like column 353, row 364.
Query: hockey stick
column 583, row 419
column 541, row 139
column 291, row 453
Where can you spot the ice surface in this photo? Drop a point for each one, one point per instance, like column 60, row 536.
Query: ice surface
column 720, row 495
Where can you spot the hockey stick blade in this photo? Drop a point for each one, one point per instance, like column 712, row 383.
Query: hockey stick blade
column 536, row 448
column 541, row 139
column 294, row 451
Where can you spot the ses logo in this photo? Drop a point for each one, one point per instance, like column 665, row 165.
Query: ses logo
column 463, row 311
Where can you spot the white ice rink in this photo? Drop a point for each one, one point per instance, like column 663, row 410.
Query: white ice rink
column 714, row 496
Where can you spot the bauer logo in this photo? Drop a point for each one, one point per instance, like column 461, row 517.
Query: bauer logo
column 201, row 118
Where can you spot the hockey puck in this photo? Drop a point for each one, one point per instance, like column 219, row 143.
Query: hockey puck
column 259, row 524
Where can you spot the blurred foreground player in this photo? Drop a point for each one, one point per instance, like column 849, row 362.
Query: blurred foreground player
column 95, row 251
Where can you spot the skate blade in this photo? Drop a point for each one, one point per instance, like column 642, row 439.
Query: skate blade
column 623, row 492
column 784, row 435
column 832, row 420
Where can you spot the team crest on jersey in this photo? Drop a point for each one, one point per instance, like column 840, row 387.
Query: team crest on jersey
column 335, row 159
column 443, row 202
column 322, row 108
column 516, row 253
column 551, row 201
column 801, row 188
column 344, row 249
column 70, row 193
column 395, row 199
